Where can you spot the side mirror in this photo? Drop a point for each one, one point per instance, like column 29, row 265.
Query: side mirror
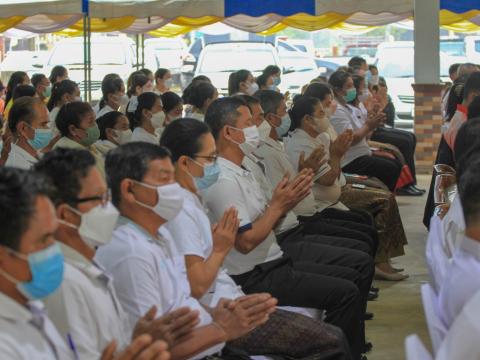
column 38, row 66
column 288, row 70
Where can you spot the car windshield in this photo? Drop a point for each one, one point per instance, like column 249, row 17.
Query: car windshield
column 102, row 54
column 229, row 60
column 361, row 51
column 453, row 48
column 398, row 63
column 166, row 46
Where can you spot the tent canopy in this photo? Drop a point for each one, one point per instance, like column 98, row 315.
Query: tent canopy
column 175, row 17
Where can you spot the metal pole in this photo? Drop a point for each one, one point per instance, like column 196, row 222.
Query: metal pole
column 143, row 50
column 137, row 52
column 85, row 57
column 89, row 59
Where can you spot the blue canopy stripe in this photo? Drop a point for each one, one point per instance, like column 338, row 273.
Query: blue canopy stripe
column 459, row 6
column 262, row 7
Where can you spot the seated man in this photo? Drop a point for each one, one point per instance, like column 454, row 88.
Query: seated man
column 142, row 256
column 462, row 277
column 31, row 268
column 194, row 155
column 304, row 276
column 86, row 220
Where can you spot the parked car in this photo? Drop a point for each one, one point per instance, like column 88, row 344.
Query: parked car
column 166, row 53
column 21, row 61
column 395, row 61
column 109, row 55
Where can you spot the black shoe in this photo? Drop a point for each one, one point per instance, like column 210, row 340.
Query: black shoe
column 367, row 348
column 372, row 296
column 363, row 357
column 375, row 289
column 408, row 191
column 419, row 189
column 368, row 316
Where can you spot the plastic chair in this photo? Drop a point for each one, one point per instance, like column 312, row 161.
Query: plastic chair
column 415, row 350
column 436, row 328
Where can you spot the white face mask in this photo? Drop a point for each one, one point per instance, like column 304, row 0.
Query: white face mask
column 123, row 100
column 264, row 130
column 169, row 203
column 374, row 80
column 169, row 83
column 158, row 119
column 252, row 88
column 123, row 136
column 252, row 139
column 77, row 98
column 97, row 225
column 321, row 124
column 363, row 97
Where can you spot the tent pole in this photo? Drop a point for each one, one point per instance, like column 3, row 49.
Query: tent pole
column 85, row 60
column 143, row 50
column 89, row 32
column 137, row 52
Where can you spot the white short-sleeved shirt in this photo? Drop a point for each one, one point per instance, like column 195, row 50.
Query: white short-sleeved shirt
column 197, row 116
column 149, row 271
column 26, row 333
column 87, row 308
column 140, row 134
column 104, row 110
column 298, row 142
column 52, row 117
column 345, row 118
column 237, row 187
column 192, row 232
column 19, row 158
column 104, row 146
column 461, row 341
column 437, row 259
column 256, row 166
column 453, row 225
column 462, row 280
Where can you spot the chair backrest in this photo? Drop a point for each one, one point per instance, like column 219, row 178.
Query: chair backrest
column 415, row 350
column 437, row 259
column 435, row 326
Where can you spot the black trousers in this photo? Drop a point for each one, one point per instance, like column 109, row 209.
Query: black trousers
column 405, row 141
column 387, row 170
column 319, row 276
column 352, row 224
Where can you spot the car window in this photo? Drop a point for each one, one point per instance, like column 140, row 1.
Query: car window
column 102, row 54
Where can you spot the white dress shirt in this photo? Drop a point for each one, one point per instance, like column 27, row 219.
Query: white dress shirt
column 149, row 271
column 52, row 117
column 19, row 158
column 453, row 225
column 140, row 134
column 104, row 146
column 104, row 110
column 26, row 333
column 462, row 280
column 237, row 187
column 192, row 232
column 256, row 166
column 87, row 308
column 461, row 341
column 345, row 118
column 298, row 142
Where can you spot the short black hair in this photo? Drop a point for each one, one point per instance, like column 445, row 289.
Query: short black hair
column 182, row 137
column 469, row 190
column 472, row 84
column 372, row 66
column 338, row 79
column 262, row 80
column 223, row 112
column 356, row 61
column 130, row 161
column 249, row 100
column 453, row 69
column 270, row 100
column 271, row 70
column 19, row 190
column 146, row 71
column 23, row 90
column 197, row 94
column 23, row 109
column 303, row 105
column 37, row 79
column 64, row 169
column 160, row 73
column 71, row 114
column 170, row 101
column 318, row 90
column 107, row 121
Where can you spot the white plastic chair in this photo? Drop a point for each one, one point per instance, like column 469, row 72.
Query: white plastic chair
column 436, row 328
column 415, row 350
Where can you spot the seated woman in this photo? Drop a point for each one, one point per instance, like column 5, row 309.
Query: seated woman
column 172, row 107
column 113, row 95
column 137, row 84
column 199, row 96
column 242, row 82
column 79, row 130
column 148, row 119
column 388, row 151
column 64, row 92
column 194, row 154
column 114, row 131
column 359, row 158
column 265, row 82
column 380, row 203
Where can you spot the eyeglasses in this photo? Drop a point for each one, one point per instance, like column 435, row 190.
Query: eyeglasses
column 103, row 199
column 212, row 158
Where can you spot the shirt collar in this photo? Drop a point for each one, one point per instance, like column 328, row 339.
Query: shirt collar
column 12, row 310
column 227, row 164
column 89, row 268
column 159, row 240
column 24, row 153
column 277, row 145
column 471, row 246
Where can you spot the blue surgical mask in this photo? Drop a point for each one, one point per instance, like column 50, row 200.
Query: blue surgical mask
column 277, row 80
column 351, row 95
column 272, row 87
column 210, row 176
column 282, row 130
column 41, row 139
column 46, row 267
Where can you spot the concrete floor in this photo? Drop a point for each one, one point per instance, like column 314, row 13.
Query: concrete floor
column 398, row 311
